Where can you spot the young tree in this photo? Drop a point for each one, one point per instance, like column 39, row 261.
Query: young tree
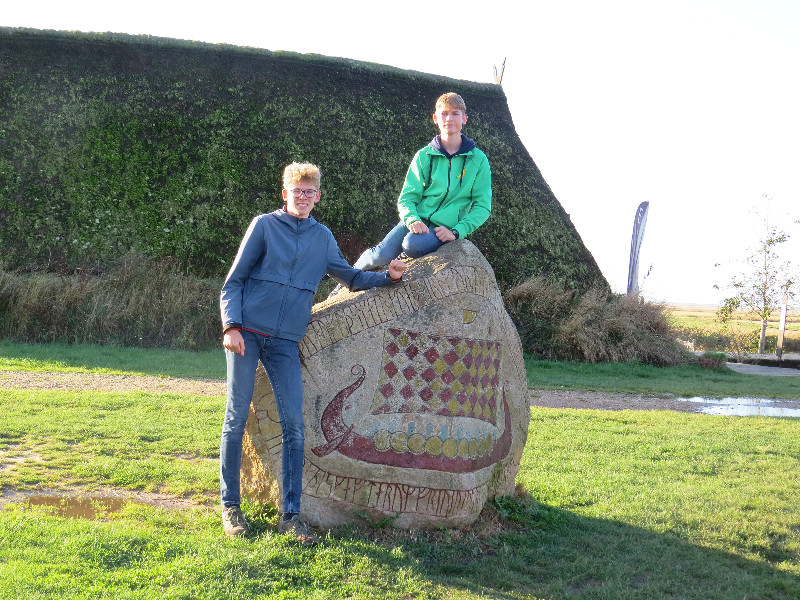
column 760, row 289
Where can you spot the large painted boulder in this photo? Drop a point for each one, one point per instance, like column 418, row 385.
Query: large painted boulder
column 415, row 401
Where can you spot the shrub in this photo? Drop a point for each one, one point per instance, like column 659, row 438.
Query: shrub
column 537, row 307
column 594, row 327
column 712, row 360
column 139, row 301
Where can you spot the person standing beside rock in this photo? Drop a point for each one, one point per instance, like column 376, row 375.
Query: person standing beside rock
column 447, row 193
column 265, row 305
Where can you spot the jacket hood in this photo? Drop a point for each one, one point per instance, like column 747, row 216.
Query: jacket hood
column 467, row 144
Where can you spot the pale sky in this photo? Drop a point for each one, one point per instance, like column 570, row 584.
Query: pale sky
column 692, row 105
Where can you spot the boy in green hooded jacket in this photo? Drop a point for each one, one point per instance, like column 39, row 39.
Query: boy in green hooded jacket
column 447, row 192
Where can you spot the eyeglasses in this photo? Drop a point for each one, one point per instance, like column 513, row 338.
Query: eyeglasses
column 303, row 193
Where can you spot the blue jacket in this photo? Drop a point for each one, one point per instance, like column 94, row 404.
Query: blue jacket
column 281, row 260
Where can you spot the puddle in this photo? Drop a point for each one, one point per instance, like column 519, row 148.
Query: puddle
column 73, row 505
column 747, row 407
column 79, row 508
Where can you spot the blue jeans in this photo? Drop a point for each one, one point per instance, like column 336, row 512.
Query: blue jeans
column 281, row 361
column 398, row 240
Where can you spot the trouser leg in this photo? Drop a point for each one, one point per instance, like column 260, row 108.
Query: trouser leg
column 241, row 377
column 383, row 253
column 282, row 364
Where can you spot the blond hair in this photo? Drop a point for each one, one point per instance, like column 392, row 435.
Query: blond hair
column 452, row 101
column 297, row 172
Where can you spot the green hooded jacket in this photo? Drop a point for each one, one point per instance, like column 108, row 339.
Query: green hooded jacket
column 453, row 191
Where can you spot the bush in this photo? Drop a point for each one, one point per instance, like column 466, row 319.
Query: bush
column 146, row 302
column 139, row 301
column 594, row 327
column 712, row 360
column 536, row 308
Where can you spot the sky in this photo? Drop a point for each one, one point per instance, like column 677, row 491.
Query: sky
column 690, row 105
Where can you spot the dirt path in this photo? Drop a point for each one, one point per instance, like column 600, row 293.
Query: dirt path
column 216, row 387
column 110, row 383
column 211, row 387
column 610, row 401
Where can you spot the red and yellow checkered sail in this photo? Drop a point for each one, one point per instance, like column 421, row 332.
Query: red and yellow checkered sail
column 447, row 390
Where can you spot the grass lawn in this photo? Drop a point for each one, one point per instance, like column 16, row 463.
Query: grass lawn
column 62, row 358
column 610, row 505
column 634, row 378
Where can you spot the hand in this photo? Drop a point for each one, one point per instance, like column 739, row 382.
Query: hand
column 444, row 234
column 396, row 268
column 232, row 340
column 418, row 227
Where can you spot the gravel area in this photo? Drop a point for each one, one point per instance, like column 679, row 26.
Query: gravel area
column 610, row 401
column 216, row 387
column 110, row 383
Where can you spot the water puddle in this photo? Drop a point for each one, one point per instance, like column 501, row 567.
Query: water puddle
column 747, row 407
column 100, row 505
column 78, row 508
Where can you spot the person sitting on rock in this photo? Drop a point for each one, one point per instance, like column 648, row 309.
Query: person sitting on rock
column 265, row 305
column 446, row 196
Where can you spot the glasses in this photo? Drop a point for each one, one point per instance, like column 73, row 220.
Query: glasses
column 303, row 193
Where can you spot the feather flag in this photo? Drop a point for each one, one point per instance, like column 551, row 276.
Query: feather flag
column 639, row 222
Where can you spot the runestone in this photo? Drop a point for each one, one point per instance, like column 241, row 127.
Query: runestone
column 415, row 401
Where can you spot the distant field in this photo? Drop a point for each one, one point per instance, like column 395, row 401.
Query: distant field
column 699, row 324
column 707, row 315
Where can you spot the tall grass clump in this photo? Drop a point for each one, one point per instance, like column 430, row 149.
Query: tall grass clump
column 537, row 307
column 139, row 301
column 593, row 327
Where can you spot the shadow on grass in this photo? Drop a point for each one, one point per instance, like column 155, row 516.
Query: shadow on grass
column 544, row 552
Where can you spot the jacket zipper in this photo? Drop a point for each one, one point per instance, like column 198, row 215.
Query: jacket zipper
column 291, row 273
column 447, row 192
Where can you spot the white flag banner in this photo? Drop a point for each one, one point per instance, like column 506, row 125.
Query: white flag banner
column 639, row 222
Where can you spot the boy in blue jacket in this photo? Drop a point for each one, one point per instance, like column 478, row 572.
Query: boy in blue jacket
column 265, row 305
column 447, row 193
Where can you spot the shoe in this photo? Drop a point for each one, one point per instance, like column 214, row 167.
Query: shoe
column 299, row 529
column 339, row 287
column 234, row 522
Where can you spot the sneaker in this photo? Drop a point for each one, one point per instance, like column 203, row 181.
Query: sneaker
column 234, row 522
column 299, row 529
column 339, row 287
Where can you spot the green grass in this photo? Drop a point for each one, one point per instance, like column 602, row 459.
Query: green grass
column 687, row 380
column 132, row 440
column 63, row 358
column 610, row 505
column 635, row 378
